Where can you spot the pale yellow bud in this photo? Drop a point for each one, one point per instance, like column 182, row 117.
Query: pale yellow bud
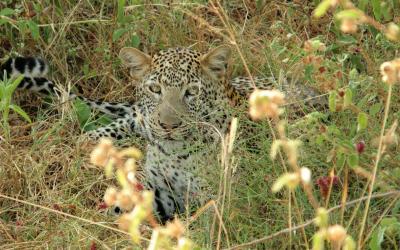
column 305, row 174
column 110, row 196
column 131, row 152
column 389, row 72
column 322, row 217
column 290, row 180
column 174, row 229
column 349, row 244
column 185, row 244
column 392, row 32
column 336, row 234
column 148, row 198
column 124, row 199
column 265, row 103
column 349, row 26
column 124, row 222
column 101, row 153
column 318, row 242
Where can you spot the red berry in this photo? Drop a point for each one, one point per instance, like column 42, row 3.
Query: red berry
column 360, row 146
column 93, row 246
column 102, row 206
column 139, row 186
column 57, row 207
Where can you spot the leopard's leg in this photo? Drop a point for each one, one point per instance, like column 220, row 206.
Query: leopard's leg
column 245, row 86
column 114, row 109
column 296, row 93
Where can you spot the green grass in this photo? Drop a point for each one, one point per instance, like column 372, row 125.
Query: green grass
column 46, row 162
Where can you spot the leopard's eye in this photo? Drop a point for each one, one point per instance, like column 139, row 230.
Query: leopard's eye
column 155, row 88
column 192, row 91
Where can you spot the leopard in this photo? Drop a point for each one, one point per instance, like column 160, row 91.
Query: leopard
column 183, row 107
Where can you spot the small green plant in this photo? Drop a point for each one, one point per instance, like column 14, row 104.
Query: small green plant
column 7, row 88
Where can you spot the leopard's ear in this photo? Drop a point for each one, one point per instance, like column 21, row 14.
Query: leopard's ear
column 215, row 62
column 138, row 62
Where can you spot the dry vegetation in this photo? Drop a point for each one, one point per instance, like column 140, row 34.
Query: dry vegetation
column 52, row 197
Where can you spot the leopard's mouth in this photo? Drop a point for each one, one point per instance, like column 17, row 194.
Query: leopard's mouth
column 179, row 133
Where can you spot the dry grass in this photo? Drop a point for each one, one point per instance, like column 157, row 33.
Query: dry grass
column 46, row 163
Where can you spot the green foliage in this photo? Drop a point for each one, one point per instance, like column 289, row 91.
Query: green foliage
column 84, row 116
column 7, row 88
column 22, row 25
column 389, row 227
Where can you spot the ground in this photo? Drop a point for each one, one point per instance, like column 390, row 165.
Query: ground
column 45, row 163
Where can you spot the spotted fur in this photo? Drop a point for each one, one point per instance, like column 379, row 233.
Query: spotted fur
column 182, row 108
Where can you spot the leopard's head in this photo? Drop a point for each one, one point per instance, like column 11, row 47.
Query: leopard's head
column 178, row 87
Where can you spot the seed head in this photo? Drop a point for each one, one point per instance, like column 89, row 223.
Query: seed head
column 336, row 234
column 110, row 196
column 265, row 103
column 349, row 26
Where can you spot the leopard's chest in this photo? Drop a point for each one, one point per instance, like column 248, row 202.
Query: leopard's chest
column 177, row 164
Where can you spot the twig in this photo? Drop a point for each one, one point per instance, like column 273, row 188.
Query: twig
column 309, row 222
column 378, row 157
column 65, row 214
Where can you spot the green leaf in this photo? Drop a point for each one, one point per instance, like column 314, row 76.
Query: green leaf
column 135, row 41
column 82, row 111
column 118, row 33
column 386, row 11
column 387, row 222
column 7, row 12
column 34, row 28
column 362, row 120
column 340, row 160
column 322, row 8
column 377, row 238
column 346, row 39
column 362, row 4
column 309, row 69
column 375, row 108
column 104, row 120
column 353, row 160
column 353, row 74
column 19, row 111
column 9, row 90
column 332, row 101
column 348, row 98
column 120, row 11
column 376, row 8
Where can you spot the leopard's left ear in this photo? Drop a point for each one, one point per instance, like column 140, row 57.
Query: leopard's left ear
column 138, row 62
column 215, row 62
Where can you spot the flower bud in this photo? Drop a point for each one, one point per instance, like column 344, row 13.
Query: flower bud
column 124, row 199
column 336, row 234
column 174, row 229
column 318, row 242
column 290, row 180
column 322, row 217
column 305, row 175
column 389, row 72
column 131, row 152
column 265, row 103
column 349, row 244
column 349, row 26
column 110, row 196
column 392, row 32
column 185, row 244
